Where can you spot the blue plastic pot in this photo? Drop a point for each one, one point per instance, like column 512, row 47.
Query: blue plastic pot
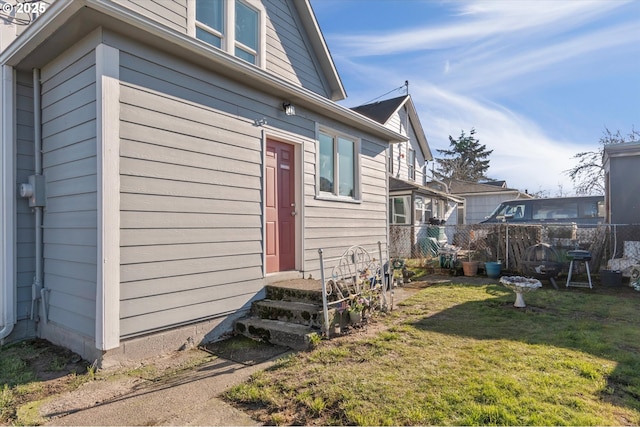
column 493, row 269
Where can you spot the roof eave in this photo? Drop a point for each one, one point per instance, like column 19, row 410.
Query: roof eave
column 319, row 45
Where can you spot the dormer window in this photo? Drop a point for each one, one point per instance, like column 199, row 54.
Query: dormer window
column 235, row 26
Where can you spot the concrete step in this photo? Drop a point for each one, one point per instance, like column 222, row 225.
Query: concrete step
column 297, row 337
column 311, row 295
column 302, row 313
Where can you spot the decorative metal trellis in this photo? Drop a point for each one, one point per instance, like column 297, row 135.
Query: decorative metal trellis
column 356, row 273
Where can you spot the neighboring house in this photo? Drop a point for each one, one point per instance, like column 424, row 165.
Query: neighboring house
column 622, row 183
column 480, row 199
column 413, row 207
column 173, row 157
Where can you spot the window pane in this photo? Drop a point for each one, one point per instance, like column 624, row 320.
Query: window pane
column 211, row 13
column 346, row 172
column 247, row 56
column 207, row 37
column 399, row 208
column 246, row 26
column 326, row 163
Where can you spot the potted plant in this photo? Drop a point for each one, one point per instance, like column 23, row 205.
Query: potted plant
column 493, row 268
column 470, row 267
column 356, row 307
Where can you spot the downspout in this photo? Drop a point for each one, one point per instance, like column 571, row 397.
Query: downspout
column 7, row 292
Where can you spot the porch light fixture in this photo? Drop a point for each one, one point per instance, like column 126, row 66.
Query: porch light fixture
column 289, row 109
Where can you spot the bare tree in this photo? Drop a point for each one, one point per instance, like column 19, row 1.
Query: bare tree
column 588, row 175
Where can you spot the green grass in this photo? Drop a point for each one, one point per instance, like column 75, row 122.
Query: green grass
column 463, row 355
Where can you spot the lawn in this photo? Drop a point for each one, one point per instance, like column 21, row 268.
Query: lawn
column 463, row 355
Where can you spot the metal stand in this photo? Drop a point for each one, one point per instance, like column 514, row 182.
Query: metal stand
column 584, row 256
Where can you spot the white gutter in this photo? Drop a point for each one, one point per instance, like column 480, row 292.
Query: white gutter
column 7, row 209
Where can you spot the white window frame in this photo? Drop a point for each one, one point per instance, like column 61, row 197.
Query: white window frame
column 411, row 163
column 408, row 210
column 336, row 179
column 228, row 38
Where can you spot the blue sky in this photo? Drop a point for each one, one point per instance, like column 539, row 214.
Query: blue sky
column 538, row 80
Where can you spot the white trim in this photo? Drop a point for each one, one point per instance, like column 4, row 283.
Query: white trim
column 7, row 210
column 229, row 43
column 108, row 176
column 357, row 178
column 191, row 18
column 298, row 157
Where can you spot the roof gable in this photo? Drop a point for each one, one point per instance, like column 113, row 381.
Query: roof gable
column 319, row 45
column 383, row 111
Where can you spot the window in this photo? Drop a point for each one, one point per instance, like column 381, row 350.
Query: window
column 210, row 21
column 400, row 210
column 246, row 32
column 234, row 26
column 422, row 210
column 337, row 165
column 411, row 164
column 390, row 165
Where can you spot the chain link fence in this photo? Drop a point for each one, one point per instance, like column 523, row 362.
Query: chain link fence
column 611, row 246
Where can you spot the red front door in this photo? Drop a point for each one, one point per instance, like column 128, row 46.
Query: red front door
column 280, row 207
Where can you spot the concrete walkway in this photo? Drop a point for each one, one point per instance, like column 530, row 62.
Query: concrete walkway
column 190, row 398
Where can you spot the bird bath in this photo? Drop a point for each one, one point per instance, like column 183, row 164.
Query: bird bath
column 520, row 285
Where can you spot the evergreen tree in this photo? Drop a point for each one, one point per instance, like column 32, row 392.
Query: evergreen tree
column 465, row 160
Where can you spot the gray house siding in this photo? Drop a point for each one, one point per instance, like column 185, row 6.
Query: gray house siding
column 624, row 187
column 334, row 226
column 191, row 215
column 288, row 52
column 25, row 235
column 191, row 192
column 69, row 162
column 172, row 13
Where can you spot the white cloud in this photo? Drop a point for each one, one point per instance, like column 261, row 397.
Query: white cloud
column 488, row 49
column 477, row 21
column 523, row 154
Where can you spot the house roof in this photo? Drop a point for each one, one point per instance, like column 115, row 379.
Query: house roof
column 467, row 188
column 383, row 111
column 67, row 21
column 398, row 186
column 622, row 149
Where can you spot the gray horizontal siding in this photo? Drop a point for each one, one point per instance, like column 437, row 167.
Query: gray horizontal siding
column 171, row 13
column 288, row 53
column 25, row 234
column 335, row 226
column 69, row 161
column 191, row 225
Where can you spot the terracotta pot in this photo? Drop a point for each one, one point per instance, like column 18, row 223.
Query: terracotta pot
column 470, row 268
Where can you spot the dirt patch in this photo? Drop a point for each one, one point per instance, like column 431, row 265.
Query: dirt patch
column 244, row 350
